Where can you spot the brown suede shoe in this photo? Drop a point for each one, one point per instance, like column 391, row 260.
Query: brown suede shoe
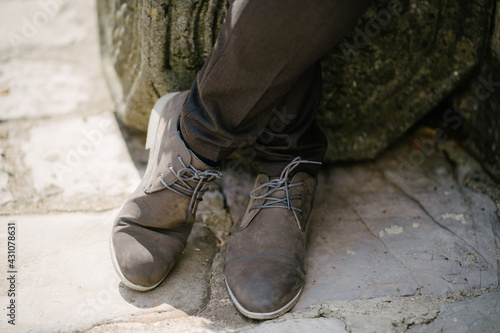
column 152, row 227
column 265, row 255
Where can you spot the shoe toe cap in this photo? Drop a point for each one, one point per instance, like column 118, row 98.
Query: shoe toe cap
column 264, row 288
column 143, row 257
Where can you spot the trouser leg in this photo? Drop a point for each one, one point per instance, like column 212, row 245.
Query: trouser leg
column 266, row 57
column 292, row 130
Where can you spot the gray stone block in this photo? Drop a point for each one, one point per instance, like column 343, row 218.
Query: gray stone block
column 318, row 325
column 381, row 230
column 66, row 281
column 399, row 62
column 476, row 315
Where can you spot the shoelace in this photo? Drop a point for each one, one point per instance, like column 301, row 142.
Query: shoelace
column 190, row 173
column 282, row 183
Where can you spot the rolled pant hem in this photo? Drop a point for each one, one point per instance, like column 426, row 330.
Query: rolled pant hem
column 208, row 151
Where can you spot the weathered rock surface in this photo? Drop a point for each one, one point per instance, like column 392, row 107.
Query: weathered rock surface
column 151, row 48
column 399, row 62
column 302, row 325
column 66, row 281
column 477, row 106
column 402, row 225
column 473, row 315
column 402, row 314
column 407, row 68
column 66, row 164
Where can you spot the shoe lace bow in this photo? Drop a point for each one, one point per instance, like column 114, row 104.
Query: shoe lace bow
column 190, row 174
column 283, row 183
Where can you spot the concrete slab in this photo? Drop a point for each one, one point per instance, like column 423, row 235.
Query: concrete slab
column 396, row 314
column 473, row 315
column 66, row 282
column 43, row 24
column 51, row 61
column 319, row 325
column 398, row 238
column 61, row 86
column 219, row 315
column 5, row 194
column 68, row 164
column 179, row 323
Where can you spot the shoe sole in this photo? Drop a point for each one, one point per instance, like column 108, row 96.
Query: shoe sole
column 264, row 315
column 154, row 123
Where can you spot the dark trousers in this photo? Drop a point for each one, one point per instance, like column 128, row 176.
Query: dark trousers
column 260, row 87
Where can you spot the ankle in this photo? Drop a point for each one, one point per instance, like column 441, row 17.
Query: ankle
column 205, row 160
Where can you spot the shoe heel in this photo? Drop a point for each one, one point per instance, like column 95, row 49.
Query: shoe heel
column 154, row 119
column 154, row 123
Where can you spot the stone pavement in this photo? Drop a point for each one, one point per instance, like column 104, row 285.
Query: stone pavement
column 405, row 243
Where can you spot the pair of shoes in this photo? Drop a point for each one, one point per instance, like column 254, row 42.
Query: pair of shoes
column 264, row 267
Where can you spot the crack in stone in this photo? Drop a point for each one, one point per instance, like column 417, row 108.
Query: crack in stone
column 495, row 240
column 389, row 252
column 416, row 201
column 459, row 182
column 208, row 296
column 453, row 164
column 496, row 246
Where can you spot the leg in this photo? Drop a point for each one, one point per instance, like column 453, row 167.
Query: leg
column 263, row 50
column 292, row 130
